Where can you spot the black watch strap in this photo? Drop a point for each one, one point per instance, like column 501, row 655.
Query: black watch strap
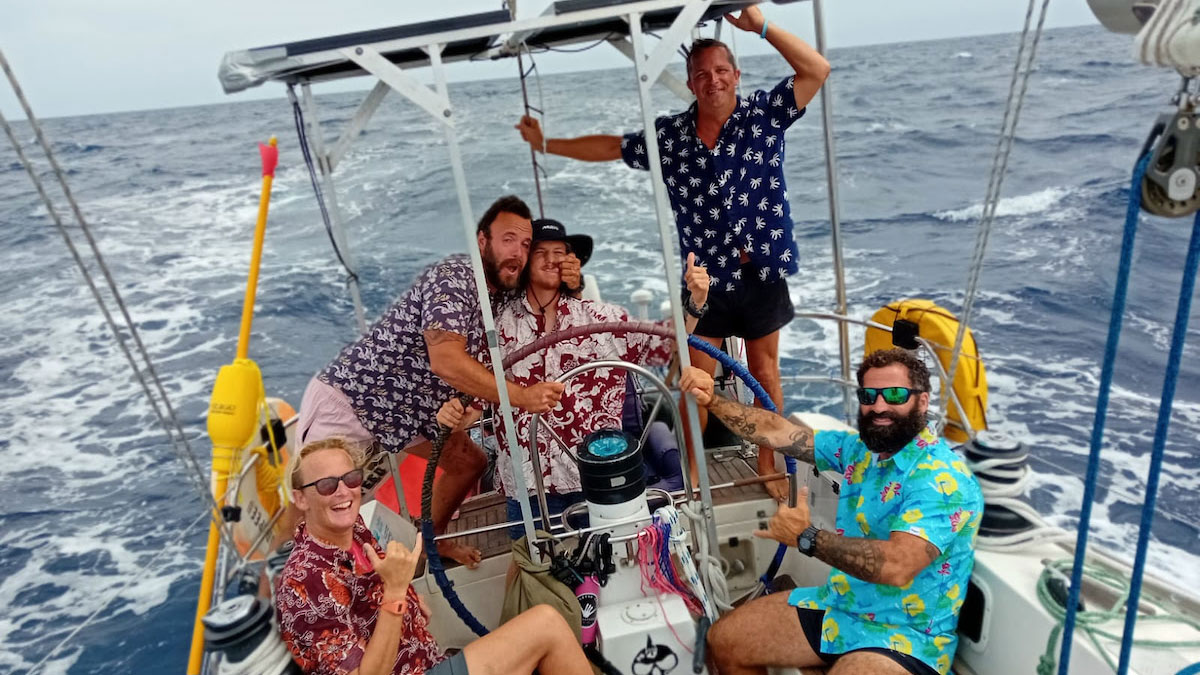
column 691, row 308
column 807, row 541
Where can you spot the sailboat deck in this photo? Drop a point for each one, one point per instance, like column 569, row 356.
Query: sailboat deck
column 491, row 509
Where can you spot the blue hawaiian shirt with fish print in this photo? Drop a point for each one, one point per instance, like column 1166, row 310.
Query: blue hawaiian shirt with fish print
column 925, row 490
column 731, row 198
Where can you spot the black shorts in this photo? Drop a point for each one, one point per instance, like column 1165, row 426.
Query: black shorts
column 756, row 309
column 811, row 620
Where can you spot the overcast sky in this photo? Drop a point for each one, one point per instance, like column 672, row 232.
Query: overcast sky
column 90, row 56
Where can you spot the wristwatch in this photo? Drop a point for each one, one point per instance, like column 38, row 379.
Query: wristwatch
column 394, row 607
column 807, row 541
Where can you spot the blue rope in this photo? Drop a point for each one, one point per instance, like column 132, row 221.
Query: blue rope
column 1175, row 356
column 1106, row 376
column 447, row 586
column 744, row 374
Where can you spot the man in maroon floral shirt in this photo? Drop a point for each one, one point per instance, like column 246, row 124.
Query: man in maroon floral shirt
column 591, row 401
column 383, row 391
column 345, row 607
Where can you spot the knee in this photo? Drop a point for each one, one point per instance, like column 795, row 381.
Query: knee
column 467, row 457
column 547, row 621
column 719, row 637
column 763, row 368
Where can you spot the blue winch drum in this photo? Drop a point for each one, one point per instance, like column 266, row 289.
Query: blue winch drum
column 610, row 467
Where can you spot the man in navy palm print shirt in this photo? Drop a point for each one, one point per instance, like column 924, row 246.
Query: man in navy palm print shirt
column 722, row 162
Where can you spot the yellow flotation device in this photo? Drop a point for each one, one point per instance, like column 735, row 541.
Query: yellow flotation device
column 259, row 494
column 939, row 327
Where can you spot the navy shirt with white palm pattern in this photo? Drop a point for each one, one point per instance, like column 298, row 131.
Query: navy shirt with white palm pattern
column 730, row 198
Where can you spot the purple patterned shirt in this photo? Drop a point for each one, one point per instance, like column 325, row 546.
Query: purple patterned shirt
column 386, row 373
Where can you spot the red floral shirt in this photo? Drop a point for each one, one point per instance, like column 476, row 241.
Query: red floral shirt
column 326, row 604
column 591, row 401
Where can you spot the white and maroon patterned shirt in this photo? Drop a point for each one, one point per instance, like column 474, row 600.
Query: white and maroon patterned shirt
column 327, row 602
column 591, row 401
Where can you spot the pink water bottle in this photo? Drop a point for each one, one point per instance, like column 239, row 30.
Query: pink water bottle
column 586, row 594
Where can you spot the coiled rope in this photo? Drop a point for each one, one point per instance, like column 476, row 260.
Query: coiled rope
column 1091, row 620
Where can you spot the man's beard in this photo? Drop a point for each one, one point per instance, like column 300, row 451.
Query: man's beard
column 491, row 270
column 893, row 437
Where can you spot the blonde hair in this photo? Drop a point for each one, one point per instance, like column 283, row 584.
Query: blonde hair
column 291, row 476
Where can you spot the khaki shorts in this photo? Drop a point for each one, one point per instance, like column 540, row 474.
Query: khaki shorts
column 325, row 412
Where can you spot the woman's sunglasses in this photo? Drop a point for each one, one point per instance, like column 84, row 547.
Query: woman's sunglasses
column 328, row 485
column 891, row 395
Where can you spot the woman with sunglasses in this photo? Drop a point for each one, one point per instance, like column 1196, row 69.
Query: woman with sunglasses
column 345, row 606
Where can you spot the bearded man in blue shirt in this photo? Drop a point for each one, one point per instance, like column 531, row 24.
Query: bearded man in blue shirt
column 903, row 550
column 722, row 162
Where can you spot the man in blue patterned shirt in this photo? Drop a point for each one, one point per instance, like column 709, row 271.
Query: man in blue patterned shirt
column 722, row 162
column 902, row 553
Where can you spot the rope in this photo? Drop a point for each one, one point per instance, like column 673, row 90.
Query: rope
column 763, row 398
column 1106, row 376
column 990, row 473
column 148, row 379
column 1012, row 113
column 135, row 578
column 302, row 135
column 678, row 546
column 431, row 553
column 1091, row 620
column 1170, row 379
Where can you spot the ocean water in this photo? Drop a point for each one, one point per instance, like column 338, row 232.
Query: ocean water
column 93, row 493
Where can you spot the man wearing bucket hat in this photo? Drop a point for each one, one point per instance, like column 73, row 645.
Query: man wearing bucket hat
column 593, row 400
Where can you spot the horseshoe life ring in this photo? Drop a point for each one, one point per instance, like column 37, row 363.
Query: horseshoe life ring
column 259, row 484
column 916, row 318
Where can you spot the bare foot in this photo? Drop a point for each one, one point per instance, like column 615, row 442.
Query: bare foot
column 460, row 553
column 778, row 489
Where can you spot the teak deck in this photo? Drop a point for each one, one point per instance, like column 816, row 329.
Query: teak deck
column 490, row 509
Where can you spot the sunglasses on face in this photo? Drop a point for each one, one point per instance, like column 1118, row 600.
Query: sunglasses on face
column 891, row 395
column 328, row 485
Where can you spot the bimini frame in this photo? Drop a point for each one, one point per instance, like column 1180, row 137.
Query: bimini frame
column 388, row 54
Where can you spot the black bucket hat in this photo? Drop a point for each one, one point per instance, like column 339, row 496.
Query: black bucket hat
column 545, row 229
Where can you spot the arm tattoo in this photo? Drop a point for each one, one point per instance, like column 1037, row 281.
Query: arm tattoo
column 765, row 428
column 435, row 337
column 801, row 446
column 862, row 558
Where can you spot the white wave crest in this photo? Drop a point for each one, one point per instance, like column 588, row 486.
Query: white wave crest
column 1022, row 205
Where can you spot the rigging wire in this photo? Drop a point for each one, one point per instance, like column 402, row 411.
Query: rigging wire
column 148, row 377
column 298, row 117
column 1026, row 52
